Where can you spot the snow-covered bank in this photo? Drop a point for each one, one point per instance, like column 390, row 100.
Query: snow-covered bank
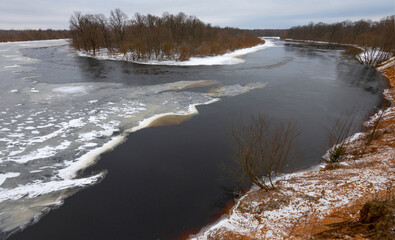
column 368, row 56
column 307, row 201
column 373, row 56
column 225, row 59
column 321, row 42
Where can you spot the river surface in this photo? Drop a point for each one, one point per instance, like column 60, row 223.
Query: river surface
column 59, row 111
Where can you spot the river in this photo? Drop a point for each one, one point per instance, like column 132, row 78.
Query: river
column 59, row 111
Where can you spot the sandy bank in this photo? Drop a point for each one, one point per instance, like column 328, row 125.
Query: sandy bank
column 309, row 201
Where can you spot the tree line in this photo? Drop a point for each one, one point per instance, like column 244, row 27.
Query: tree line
column 28, row 35
column 376, row 36
column 169, row 37
column 268, row 32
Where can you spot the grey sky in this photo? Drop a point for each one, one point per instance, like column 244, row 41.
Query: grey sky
column 34, row 14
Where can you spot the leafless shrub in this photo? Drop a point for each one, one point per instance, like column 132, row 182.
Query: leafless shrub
column 262, row 150
column 372, row 55
column 372, row 132
column 337, row 136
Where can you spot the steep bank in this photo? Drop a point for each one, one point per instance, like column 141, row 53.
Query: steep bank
column 307, row 202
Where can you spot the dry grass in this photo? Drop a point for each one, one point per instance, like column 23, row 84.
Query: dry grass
column 324, row 204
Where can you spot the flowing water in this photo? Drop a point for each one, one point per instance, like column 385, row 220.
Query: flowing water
column 59, row 112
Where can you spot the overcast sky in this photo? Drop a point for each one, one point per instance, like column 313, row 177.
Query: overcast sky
column 35, row 14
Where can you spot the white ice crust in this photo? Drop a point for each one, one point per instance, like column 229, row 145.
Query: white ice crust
column 4, row 176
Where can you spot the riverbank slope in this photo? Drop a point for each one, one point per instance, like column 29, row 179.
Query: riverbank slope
column 309, row 203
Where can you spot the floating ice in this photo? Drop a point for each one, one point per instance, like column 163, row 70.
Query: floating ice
column 70, row 89
column 4, row 176
column 44, row 152
column 88, row 159
column 40, row 188
column 234, row 90
column 13, row 66
column 51, row 141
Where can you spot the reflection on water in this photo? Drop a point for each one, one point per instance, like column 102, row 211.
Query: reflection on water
column 365, row 78
column 165, row 181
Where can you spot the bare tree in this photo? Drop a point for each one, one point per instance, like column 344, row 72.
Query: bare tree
column 262, row 151
column 176, row 37
column 118, row 22
column 104, row 31
column 78, row 32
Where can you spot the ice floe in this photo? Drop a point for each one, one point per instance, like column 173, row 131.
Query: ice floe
column 4, row 176
column 70, row 89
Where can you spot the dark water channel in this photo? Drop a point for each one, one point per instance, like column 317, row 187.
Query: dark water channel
column 164, row 182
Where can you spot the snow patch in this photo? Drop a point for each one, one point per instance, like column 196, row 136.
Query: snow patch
column 372, row 56
column 387, row 64
column 225, row 59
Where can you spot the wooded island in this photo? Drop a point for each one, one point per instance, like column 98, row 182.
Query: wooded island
column 148, row 37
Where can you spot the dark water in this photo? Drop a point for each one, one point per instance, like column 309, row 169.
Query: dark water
column 167, row 181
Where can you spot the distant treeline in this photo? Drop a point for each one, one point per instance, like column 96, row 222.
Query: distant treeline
column 377, row 37
column 176, row 37
column 27, row 35
column 268, row 32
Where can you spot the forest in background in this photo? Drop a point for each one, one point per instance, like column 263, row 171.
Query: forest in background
column 376, row 38
column 145, row 37
column 268, row 32
column 28, row 35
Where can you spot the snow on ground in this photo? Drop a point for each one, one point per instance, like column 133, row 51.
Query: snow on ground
column 372, row 56
column 389, row 63
column 309, row 197
column 273, row 215
column 225, row 59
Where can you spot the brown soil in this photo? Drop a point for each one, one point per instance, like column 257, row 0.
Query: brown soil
column 325, row 204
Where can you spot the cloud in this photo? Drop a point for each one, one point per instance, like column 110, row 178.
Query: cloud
column 244, row 14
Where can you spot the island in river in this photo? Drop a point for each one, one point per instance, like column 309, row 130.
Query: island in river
column 59, row 89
